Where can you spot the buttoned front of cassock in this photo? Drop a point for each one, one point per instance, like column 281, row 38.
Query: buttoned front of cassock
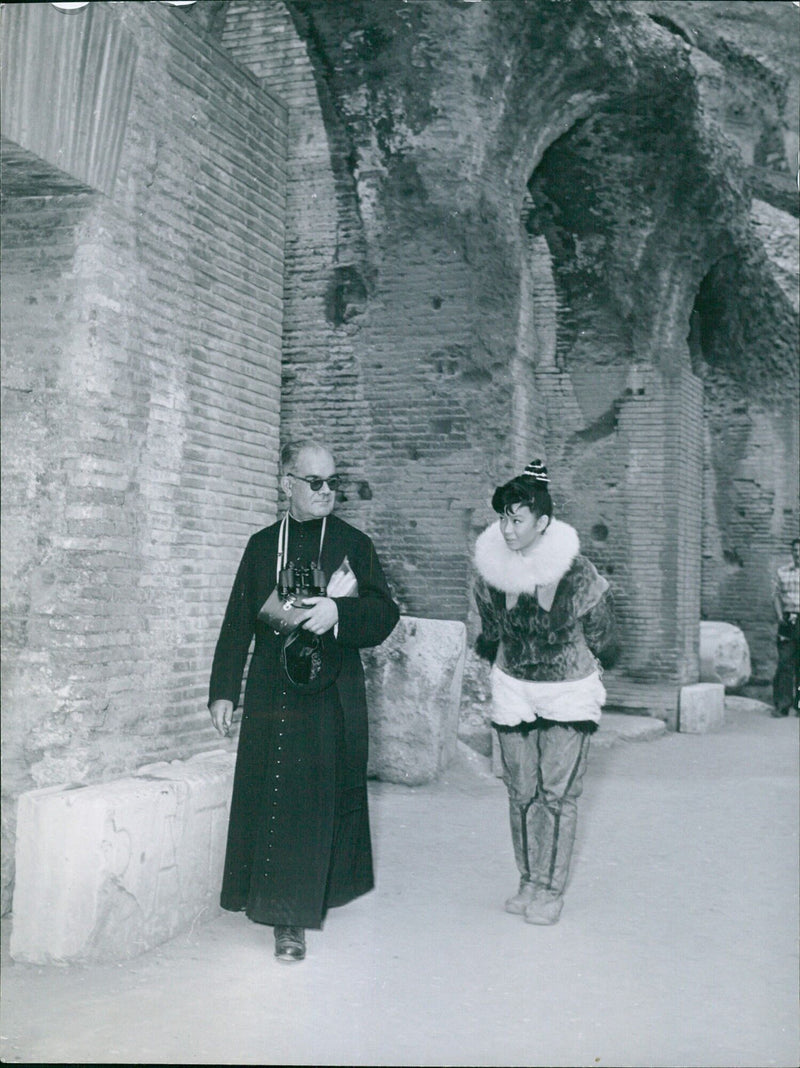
column 298, row 837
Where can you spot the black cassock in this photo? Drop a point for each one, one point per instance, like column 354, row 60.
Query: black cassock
column 298, row 836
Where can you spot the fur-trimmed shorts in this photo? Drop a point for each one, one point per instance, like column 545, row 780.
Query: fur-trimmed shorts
column 516, row 701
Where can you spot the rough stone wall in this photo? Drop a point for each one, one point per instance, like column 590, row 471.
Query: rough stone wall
column 751, row 512
column 514, row 229
column 396, row 436
column 323, row 289
column 640, row 522
column 529, row 199
column 743, row 329
column 141, row 384
column 624, row 414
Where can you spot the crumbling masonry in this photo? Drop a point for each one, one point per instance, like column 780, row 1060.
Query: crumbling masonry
column 447, row 236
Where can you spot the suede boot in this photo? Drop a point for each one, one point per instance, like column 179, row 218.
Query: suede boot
column 523, row 897
column 544, row 909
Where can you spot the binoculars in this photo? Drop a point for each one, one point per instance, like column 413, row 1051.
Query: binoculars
column 297, row 581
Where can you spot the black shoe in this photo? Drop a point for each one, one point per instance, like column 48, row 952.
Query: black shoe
column 290, row 943
column 779, row 713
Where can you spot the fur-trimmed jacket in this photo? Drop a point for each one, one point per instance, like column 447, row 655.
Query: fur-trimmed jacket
column 553, row 644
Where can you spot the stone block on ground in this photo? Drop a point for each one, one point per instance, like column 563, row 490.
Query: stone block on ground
column 632, row 697
column 701, row 707
column 414, row 696
column 107, row 871
column 478, row 738
column 748, row 705
column 619, row 727
column 724, row 654
column 200, row 845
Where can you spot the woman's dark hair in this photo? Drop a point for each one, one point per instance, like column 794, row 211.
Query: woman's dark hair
column 523, row 490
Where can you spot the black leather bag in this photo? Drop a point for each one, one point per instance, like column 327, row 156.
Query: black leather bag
column 283, row 616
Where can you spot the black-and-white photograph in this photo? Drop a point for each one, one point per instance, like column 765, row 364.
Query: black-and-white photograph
column 401, row 533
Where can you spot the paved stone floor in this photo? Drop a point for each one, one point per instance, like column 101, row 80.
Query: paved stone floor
column 677, row 945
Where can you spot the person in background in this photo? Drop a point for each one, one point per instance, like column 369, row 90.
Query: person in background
column 545, row 613
column 786, row 601
column 298, row 836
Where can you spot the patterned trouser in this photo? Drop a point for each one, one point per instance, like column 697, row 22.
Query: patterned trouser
column 543, row 766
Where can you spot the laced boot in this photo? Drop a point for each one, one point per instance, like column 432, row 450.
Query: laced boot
column 290, row 944
column 523, row 897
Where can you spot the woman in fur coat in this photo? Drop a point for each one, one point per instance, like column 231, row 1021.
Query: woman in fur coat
column 546, row 613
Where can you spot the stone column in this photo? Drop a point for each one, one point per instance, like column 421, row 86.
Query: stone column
column 660, row 423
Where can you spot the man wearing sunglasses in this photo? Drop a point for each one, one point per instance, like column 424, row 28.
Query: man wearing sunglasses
column 298, row 835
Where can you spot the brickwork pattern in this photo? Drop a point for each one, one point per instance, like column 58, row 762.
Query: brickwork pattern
column 322, row 287
column 634, row 493
column 425, row 330
column 661, row 427
column 750, row 519
column 141, row 382
column 751, row 512
column 413, row 411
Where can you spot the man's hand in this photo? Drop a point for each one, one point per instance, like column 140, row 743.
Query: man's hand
column 323, row 614
column 221, row 716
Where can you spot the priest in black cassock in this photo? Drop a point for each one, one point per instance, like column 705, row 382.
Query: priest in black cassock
column 298, row 836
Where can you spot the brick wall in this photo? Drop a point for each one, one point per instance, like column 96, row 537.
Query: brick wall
column 752, row 459
column 438, row 412
column 633, row 489
column 751, row 513
column 662, row 430
column 426, row 332
column 388, row 396
column 141, row 386
column 439, row 344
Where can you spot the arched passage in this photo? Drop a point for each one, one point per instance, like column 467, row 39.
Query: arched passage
column 742, row 339
column 620, row 237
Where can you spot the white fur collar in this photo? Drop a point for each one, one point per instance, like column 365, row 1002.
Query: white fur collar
column 511, row 572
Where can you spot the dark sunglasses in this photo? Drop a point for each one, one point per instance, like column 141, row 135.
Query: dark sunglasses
column 316, row 484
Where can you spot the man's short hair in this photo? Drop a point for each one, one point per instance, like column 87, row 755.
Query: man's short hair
column 793, row 542
column 292, row 449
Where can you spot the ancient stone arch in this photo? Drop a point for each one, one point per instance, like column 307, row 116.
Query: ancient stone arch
column 530, row 197
column 559, row 227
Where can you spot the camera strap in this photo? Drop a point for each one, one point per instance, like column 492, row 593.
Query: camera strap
column 283, row 545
